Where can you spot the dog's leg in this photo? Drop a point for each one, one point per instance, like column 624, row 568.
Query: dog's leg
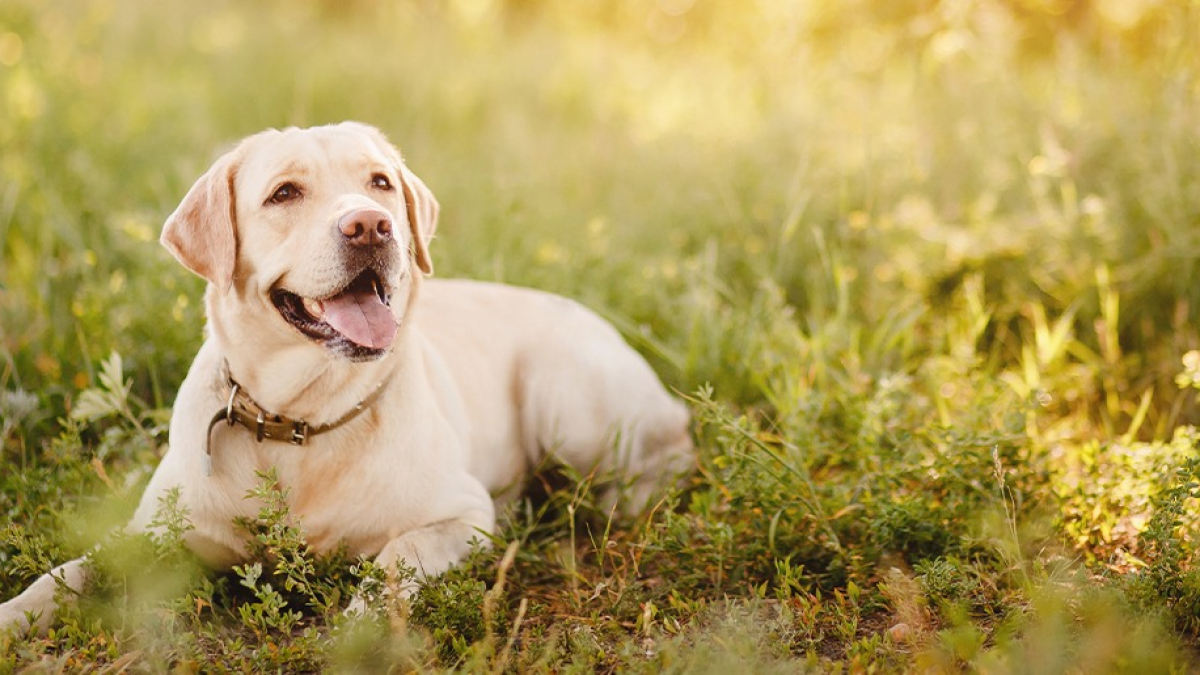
column 38, row 601
column 593, row 403
column 613, row 419
column 431, row 550
column 661, row 454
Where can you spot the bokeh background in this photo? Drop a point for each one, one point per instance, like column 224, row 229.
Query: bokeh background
column 939, row 256
column 604, row 149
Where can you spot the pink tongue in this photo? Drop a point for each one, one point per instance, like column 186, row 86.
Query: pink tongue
column 359, row 315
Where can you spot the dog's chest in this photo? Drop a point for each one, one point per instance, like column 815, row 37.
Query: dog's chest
column 352, row 495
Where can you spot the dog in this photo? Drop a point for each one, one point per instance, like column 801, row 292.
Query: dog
column 394, row 409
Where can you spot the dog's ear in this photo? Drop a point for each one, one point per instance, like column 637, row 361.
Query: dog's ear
column 422, row 215
column 419, row 201
column 201, row 232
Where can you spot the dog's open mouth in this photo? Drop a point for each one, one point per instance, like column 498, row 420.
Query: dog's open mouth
column 356, row 321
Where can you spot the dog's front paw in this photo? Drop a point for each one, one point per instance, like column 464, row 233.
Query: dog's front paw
column 392, row 598
column 15, row 618
column 357, row 608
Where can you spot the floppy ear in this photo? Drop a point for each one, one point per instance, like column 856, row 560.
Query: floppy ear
column 422, row 215
column 419, row 201
column 200, row 233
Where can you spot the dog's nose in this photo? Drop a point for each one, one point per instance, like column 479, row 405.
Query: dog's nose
column 366, row 227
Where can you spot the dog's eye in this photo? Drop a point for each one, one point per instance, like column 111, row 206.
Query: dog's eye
column 284, row 193
column 381, row 181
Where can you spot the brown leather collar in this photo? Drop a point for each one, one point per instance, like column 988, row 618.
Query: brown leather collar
column 243, row 410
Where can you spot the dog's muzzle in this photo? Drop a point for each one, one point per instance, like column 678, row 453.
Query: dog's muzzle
column 355, row 319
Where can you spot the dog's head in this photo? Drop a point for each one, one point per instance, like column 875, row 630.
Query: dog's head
column 322, row 231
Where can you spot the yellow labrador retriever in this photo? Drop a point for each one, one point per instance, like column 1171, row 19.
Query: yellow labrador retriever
column 392, row 409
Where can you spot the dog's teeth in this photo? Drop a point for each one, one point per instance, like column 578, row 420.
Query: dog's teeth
column 314, row 307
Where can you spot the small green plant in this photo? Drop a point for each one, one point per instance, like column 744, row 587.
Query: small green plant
column 1170, row 580
column 137, row 430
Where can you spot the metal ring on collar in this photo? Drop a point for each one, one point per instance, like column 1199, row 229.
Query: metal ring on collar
column 229, row 406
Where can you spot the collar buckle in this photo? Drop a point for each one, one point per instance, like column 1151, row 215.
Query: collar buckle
column 299, row 433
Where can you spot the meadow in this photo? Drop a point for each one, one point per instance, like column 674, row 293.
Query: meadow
column 924, row 270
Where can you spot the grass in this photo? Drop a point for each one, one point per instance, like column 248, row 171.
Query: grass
column 924, row 270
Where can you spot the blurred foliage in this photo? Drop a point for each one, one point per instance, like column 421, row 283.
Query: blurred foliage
column 925, row 267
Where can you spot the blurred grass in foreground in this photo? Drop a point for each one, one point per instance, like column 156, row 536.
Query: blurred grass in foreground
column 937, row 261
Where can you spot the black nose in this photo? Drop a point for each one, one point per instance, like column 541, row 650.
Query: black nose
column 366, row 227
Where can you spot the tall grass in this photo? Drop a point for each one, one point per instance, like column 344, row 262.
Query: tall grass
column 925, row 271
